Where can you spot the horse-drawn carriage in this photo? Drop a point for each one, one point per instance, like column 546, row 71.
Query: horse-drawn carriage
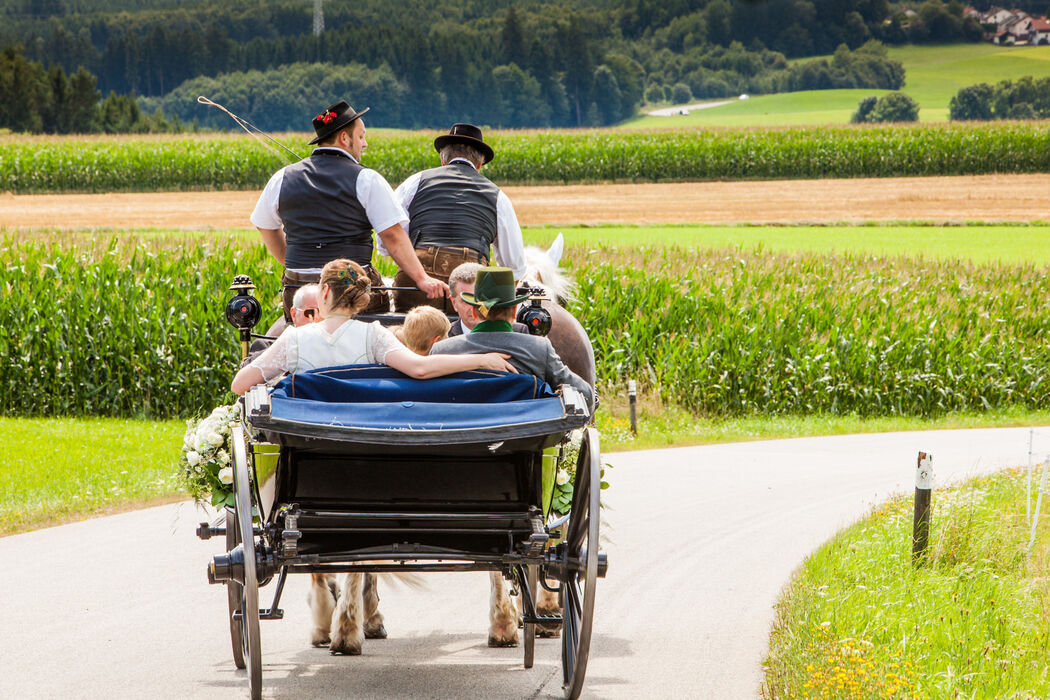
column 361, row 470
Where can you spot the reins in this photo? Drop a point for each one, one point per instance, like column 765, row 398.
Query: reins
column 248, row 127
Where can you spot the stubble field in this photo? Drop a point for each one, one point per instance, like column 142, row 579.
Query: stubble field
column 1005, row 198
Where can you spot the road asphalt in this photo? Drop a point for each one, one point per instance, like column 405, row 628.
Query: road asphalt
column 701, row 540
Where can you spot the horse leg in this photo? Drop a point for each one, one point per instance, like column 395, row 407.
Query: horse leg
column 348, row 636
column 547, row 605
column 374, row 628
column 503, row 617
column 321, row 597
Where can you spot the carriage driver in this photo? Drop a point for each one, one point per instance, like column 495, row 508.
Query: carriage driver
column 455, row 215
column 325, row 207
column 495, row 299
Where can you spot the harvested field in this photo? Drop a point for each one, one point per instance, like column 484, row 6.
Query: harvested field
column 948, row 199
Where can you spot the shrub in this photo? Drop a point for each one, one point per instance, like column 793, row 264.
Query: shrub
column 680, row 93
column 895, row 107
column 972, row 102
column 864, row 108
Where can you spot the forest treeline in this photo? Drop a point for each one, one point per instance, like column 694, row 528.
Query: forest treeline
column 495, row 62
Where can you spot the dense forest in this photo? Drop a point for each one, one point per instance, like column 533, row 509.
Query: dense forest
column 496, row 62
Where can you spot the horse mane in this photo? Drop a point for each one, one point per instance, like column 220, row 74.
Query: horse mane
column 542, row 271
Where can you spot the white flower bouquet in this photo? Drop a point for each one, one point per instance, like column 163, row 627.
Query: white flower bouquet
column 565, row 474
column 206, row 467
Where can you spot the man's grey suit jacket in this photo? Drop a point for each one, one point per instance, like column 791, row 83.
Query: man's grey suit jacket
column 531, row 354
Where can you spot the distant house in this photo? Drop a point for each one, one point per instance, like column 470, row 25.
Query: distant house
column 997, row 18
column 1040, row 31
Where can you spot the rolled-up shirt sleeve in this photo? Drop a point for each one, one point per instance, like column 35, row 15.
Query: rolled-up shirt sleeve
column 265, row 215
column 509, row 246
column 377, row 197
column 404, row 194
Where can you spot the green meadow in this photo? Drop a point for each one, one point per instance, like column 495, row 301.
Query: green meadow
column 933, row 74
column 1010, row 244
column 978, row 243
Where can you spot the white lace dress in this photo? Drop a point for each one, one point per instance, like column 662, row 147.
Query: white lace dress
column 312, row 346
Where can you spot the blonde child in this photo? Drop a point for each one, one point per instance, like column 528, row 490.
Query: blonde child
column 424, row 326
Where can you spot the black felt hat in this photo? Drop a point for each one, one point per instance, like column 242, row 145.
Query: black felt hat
column 467, row 134
column 334, row 118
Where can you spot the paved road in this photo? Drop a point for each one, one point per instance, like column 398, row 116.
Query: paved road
column 701, row 541
column 686, row 109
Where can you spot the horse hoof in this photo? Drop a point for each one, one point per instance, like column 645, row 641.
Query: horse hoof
column 345, row 651
column 377, row 633
column 544, row 632
column 320, row 639
column 495, row 642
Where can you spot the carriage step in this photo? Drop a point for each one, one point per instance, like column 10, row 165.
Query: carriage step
column 264, row 614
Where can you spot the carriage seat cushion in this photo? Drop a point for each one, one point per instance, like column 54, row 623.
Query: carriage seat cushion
column 382, row 384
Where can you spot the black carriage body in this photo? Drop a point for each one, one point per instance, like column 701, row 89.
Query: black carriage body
column 409, row 502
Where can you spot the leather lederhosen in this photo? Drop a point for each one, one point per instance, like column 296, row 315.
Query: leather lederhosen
column 439, row 262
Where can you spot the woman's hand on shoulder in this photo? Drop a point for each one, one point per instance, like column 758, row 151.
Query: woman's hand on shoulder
column 498, row 361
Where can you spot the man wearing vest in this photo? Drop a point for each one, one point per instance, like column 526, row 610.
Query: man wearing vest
column 325, row 207
column 455, row 215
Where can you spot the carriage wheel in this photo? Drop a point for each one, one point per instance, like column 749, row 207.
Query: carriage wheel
column 249, row 602
column 581, row 577
column 234, row 593
column 532, row 574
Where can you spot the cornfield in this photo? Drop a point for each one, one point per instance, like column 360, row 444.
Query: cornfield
column 148, row 163
column 127, row 327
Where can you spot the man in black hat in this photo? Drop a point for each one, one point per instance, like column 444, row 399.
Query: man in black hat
column 326, row 206
column 456, row 214
column 496, row 300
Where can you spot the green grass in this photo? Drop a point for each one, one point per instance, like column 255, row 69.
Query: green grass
column 1007, row 244
column 933, row 74
column 976, row 242
column 662, row 426
column 973, row 621
column 55, row 470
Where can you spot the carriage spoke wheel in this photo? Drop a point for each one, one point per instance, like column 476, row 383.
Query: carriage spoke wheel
column 581, row 576
column 234, row 592
column 249, row 599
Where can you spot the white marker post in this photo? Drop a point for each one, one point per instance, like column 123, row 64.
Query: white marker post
column 920, row 538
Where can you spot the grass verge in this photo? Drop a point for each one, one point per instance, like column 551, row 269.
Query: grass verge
column 662, row 426
column 861, row 621
column 62, row 469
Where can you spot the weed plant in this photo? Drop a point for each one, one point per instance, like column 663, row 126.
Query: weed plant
column 150, row 163
column 860, row 620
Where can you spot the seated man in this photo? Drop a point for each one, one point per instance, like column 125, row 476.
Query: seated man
column 495, row 301
column 462, row 280
column 304, row 305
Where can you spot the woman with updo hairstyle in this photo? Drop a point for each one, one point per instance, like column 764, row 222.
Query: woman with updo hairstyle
column 340, row 339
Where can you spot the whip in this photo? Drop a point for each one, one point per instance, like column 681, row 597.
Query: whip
column 248, row 127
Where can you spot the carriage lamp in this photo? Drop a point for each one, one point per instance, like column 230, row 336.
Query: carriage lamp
column 243, row 311
column 536, row 318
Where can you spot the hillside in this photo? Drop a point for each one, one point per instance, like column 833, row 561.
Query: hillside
column 933, row 74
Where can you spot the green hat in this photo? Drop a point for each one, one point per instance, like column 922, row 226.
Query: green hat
column 494, row 288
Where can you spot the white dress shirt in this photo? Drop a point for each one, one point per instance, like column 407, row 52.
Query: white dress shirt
column 509, row 246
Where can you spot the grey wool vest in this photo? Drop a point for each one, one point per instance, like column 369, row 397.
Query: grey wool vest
column 323, row 220
column 455, row 205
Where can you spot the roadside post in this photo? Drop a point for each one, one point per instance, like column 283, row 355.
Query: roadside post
column 632, row 397
column 920, row 538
